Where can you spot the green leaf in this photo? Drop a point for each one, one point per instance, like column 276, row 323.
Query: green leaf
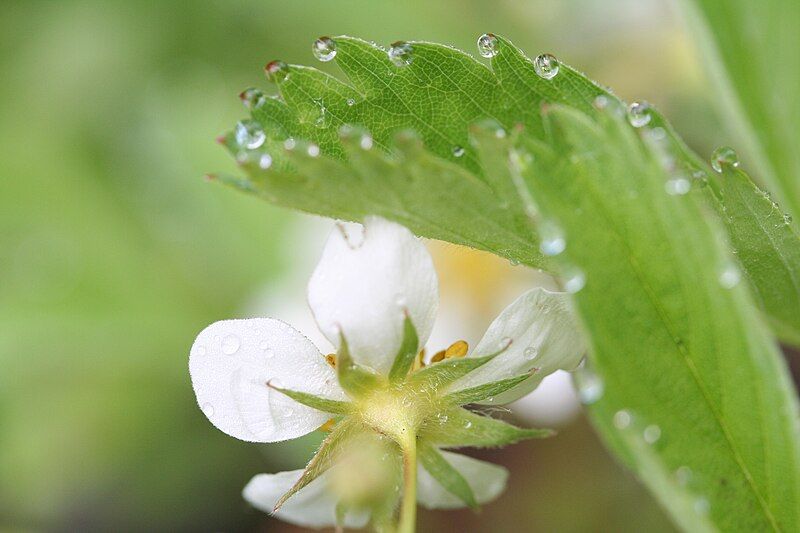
column 328, row 452
column 323, row 404
column 442, row 471
column 669, row 342
column 768, row 250
column 487, row 390
column 749, row 50
column 695, row 359
column 461, row 428
column 407, row 352
column 355, row 379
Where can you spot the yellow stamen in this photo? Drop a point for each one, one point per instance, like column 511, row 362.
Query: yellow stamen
column 331, row 359
column 438, row 356
column 419, row 361
column 327, row 426
column 457, row 349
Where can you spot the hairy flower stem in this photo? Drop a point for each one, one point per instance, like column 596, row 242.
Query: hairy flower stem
column 408, row 510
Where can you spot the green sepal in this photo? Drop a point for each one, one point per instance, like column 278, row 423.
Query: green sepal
column 355, row 379
column 443, row 373
column 336, row 407
column 487, row 390
column 325, row 457
column 407, row 352
column 446, row 474
column 461, row 428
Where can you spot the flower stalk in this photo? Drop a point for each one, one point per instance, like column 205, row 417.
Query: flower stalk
column 408, row 509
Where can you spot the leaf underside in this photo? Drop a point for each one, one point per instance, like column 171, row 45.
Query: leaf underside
column 497, row 153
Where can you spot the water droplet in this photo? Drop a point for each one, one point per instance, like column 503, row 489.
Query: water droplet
column 787, row 219
column 574, row 280
column 324, row 49
column 351, row 102
column 208, row 409
column 242, row 157
column 312, row 150
column 467, row 424
column 677, row 186
column 276, row 71
column 683, row 475
column 265, row 161
column 231, row 344
column 290, row 144
column 730, row 275
column 365, row 142
column 590, row 385
column 513, row 262
column 252, row 98
column 249, row 134
column 288, row 411
column 722, row 156
column 401, row 54
column 601, row 102
column 553, row 241
column 530, row 352
column 639, row 114
column 400, row 300
column 322, row 119
column 546, row 66
column 199, row 351
column 487, row 45
column 458, row 151
column 651, row 434
column 701, row 506
column 622, row 419
column 266, row 350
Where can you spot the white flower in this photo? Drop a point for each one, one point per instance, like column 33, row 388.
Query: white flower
column 260, row 380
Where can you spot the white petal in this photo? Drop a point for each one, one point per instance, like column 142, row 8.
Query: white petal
column 231, row 362
column 487, row 481
column 362, row 285
column 312, row 506
column 543, row 334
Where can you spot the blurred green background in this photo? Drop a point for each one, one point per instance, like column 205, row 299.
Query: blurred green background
column 114, row 252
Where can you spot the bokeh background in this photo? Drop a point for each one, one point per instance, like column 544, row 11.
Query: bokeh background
column 114, row 252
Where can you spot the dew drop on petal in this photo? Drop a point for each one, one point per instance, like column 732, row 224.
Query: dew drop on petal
column 252, row 98
column 401, row 54
column 208, row 410
column 639, row 114
column 546, row 66
column 324, row 49
column 458, row 151
column 651, row 434
column 622, row 419
column 265, row 161
column 730, row 275
column 265, row 348
column 487, row 45
column 231, row 344
column 530, row 352
column 249, row 134
column 677, row 186
column 199, row 350
column 722, row 156
column 276, row 71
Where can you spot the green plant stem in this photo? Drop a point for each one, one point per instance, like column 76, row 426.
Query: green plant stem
column 408, row 510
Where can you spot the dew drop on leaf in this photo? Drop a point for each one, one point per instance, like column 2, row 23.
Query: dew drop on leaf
column 730, row 275
column 677, row 186
column 265, row 161
column 487, row 45
column 351, row 102
column 276, row 71
column 722, row 156
column 365, row 142
column 574, row 280
column 401, row 54
column 651, row 434
column 312, row 150
column 590, row 385
column 622, row 419
column 701, row 506
column 324, row 49
column 683, row 475
column 639, row 114
column 249, row 134
column 546, row 66
column 553, row 241
column 231, row 344
column 252, row 98
column 458, row 151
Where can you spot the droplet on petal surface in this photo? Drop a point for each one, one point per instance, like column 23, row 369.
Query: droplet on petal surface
column 530, row 352
column 249, row 134
column 487, row 45
column 639, row 114
column 324, row 49
column 276, row 71
column 546, row 66
column 231, row 344
column 723, row 156
column 401, row 54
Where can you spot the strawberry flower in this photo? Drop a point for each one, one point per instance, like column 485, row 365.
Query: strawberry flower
column 391, row 414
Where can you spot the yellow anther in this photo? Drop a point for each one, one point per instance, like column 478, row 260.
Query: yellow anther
column 438, row 356
column 331, row 359
column 327, row 426
column 457, row 349
column 419, row 361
